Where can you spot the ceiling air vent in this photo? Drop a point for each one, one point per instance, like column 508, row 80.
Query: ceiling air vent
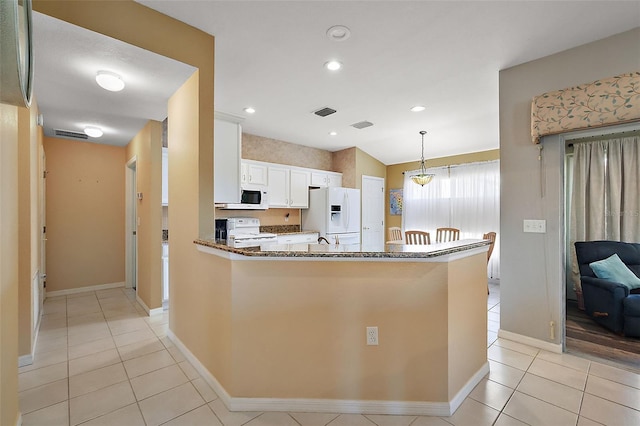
column 324, row 112
column 362, row 125
column 70, row 134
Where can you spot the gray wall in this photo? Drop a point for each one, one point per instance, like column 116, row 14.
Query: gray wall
column 532, row 265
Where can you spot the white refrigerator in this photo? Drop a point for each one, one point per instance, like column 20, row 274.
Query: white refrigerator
column 334, row 213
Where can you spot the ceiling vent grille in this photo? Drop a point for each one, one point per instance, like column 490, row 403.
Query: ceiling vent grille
column 70, row 134
column 362, row 125
column 324, row 112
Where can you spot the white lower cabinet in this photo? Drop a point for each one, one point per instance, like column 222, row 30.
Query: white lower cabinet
column 298, row 238
column 288, row 187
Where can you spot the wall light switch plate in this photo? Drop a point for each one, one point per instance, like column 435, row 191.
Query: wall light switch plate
column 537, row 226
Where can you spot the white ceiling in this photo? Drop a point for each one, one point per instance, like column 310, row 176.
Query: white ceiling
column 444, row 55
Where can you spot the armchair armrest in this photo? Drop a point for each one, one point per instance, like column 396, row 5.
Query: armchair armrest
column 603, row 301
column 606, row 285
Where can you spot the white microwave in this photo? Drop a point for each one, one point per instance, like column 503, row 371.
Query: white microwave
column 250, row 199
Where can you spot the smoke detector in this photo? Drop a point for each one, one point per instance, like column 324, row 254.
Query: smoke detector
column 338, row 33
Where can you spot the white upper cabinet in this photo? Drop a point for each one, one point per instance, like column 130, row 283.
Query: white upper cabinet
column 288, row 187
column 320, row 178
column 226, row 158
column 165, row 177
column 253, row 174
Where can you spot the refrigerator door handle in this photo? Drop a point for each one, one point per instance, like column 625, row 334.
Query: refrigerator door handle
column 347, row 209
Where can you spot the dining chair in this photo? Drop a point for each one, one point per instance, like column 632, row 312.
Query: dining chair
column 394, row 233
column 491, row 236
column 417, row 237
column 444, row 235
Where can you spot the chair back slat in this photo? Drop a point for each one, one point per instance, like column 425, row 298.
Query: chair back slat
column 417, row 237
column 444, row 235
column 394, row 233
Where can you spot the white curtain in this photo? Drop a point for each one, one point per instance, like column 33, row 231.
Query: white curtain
column 466, row 197
column 605, row 200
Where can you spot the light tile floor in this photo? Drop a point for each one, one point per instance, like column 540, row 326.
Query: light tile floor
column 101, row 361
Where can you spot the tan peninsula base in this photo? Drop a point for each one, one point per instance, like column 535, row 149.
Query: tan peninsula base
column 290, row 334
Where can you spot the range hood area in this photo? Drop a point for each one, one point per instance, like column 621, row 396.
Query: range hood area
column 240, row 206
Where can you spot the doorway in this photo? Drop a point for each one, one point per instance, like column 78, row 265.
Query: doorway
column 131, row 226
column 585, row 222
column 372, row 213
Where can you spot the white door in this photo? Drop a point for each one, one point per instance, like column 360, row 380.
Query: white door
column 299, row 188
column 42, row 282
column 372, row 213
column 278, row 187
column 131, row 246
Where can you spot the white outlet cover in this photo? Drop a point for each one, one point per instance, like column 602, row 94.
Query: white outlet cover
column 372, row 336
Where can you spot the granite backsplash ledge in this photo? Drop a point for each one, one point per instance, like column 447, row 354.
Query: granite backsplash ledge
column 280, row 229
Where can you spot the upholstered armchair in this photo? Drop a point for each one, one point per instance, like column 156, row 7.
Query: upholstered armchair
column 609, row 301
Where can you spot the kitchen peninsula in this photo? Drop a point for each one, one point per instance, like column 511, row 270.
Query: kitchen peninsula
column 296, row 318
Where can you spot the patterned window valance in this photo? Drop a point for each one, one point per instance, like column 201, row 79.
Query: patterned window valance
column 609, row 101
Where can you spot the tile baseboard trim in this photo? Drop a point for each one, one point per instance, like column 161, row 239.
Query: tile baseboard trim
column 536, row 343
column 25, row 360
column 301, row 405
column 84, row 289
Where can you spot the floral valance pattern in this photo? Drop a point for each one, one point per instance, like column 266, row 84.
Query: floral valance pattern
column 600, row 103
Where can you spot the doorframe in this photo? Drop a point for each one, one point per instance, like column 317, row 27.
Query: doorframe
column 131, row 249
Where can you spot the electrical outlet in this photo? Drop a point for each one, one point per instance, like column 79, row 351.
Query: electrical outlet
column 537, row 226
column 372, row 336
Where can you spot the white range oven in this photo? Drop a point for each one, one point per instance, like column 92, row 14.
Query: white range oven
column 245, row 232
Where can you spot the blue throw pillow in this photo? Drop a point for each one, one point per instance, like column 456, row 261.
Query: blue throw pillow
column 613, row 269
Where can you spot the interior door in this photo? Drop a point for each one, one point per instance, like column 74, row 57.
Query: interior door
column 372, row 213
column 39, row 301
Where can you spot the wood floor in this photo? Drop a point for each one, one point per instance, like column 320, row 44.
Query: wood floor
column 587, row 338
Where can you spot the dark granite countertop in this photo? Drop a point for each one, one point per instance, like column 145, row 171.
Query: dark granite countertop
column 392, row 251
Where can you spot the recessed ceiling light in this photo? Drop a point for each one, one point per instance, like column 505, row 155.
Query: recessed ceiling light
column 333, row 133
column 94, row 132
column 333, row 65
column 249, row 110
column 418, row 108
column 338, row 33
column 110, row 81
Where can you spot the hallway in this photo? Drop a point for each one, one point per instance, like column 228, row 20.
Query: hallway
column 101, row 361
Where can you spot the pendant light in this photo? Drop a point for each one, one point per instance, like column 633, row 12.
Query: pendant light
column 423, row 177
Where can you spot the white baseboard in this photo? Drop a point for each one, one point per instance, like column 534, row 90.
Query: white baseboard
column 19, row 421
column 150, row 312
column 84, row 289
column 415, row 408
column 536, row 343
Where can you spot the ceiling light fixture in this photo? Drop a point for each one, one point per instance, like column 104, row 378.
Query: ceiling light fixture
column 333, row 65
column 249, row 110
column 423, row 177
column 417, row 108
column 110, row 81
column 94, row 132
column 338, row 33
column 333, row 133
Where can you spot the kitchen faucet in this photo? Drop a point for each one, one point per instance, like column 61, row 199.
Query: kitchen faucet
column 323, row 238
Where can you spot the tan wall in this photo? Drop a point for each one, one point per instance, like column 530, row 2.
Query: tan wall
column 395, row 176
column 85, row 214
column 146, row 146
column 29, row 224
column 8, row 264
column 275, row 151
column 200, row 285
column 367, row 165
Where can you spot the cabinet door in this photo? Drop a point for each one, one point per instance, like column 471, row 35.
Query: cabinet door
column 278, row 187
column 334, row 179
column 319, row 179
column 299, row 188
column 226, row 180
column 257, row 174
column 165, row 177
column 244, row 172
